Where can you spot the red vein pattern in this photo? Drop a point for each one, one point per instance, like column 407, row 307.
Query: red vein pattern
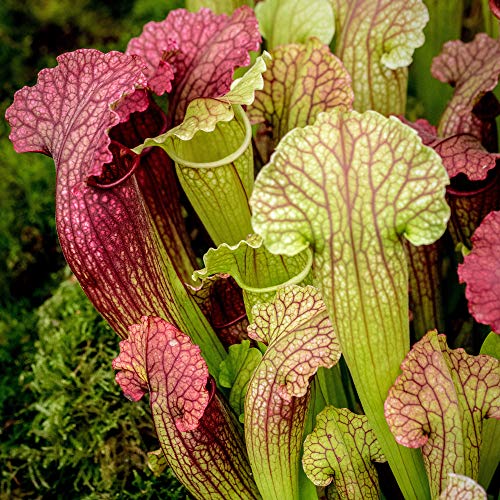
column 438, row 403
column 468, row 209
column 426, row 301
column 350, row 187
column 104, row 234
column 473, row 69
column 197, row 433
column 158, row 185
column 300, row 339
column 462, row 488
column 375, row 41
column 481, row 272
column 107, row 235
column 461, row 153
column 301, row 81
column 75, row 96
column 203, row 48
column 464, row 155
column 221, row 301
column 342, row 449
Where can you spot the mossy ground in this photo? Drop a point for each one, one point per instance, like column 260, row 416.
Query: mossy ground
column 66, row 427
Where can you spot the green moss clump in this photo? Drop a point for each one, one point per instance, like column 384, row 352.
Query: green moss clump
column 78, row 435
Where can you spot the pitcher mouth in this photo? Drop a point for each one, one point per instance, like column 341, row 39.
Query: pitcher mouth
column 238, row 114
column 472, row 188
column 256, row 243
column 294, row 280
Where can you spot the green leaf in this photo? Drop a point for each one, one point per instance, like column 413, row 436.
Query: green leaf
column 213, row 156
column 350, row 187
column 288, row 21
column 489, row 456
column 439, row 403
column 300, row 339
column 157, row 462
column 236, row 371
column 375, row 41
column 491, row 345
column 301, row 81
column 342, row 448
column 257, row 271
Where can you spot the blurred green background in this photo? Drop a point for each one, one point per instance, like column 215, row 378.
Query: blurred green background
column 65, row 428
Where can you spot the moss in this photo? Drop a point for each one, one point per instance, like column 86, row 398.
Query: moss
column 77, row 435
